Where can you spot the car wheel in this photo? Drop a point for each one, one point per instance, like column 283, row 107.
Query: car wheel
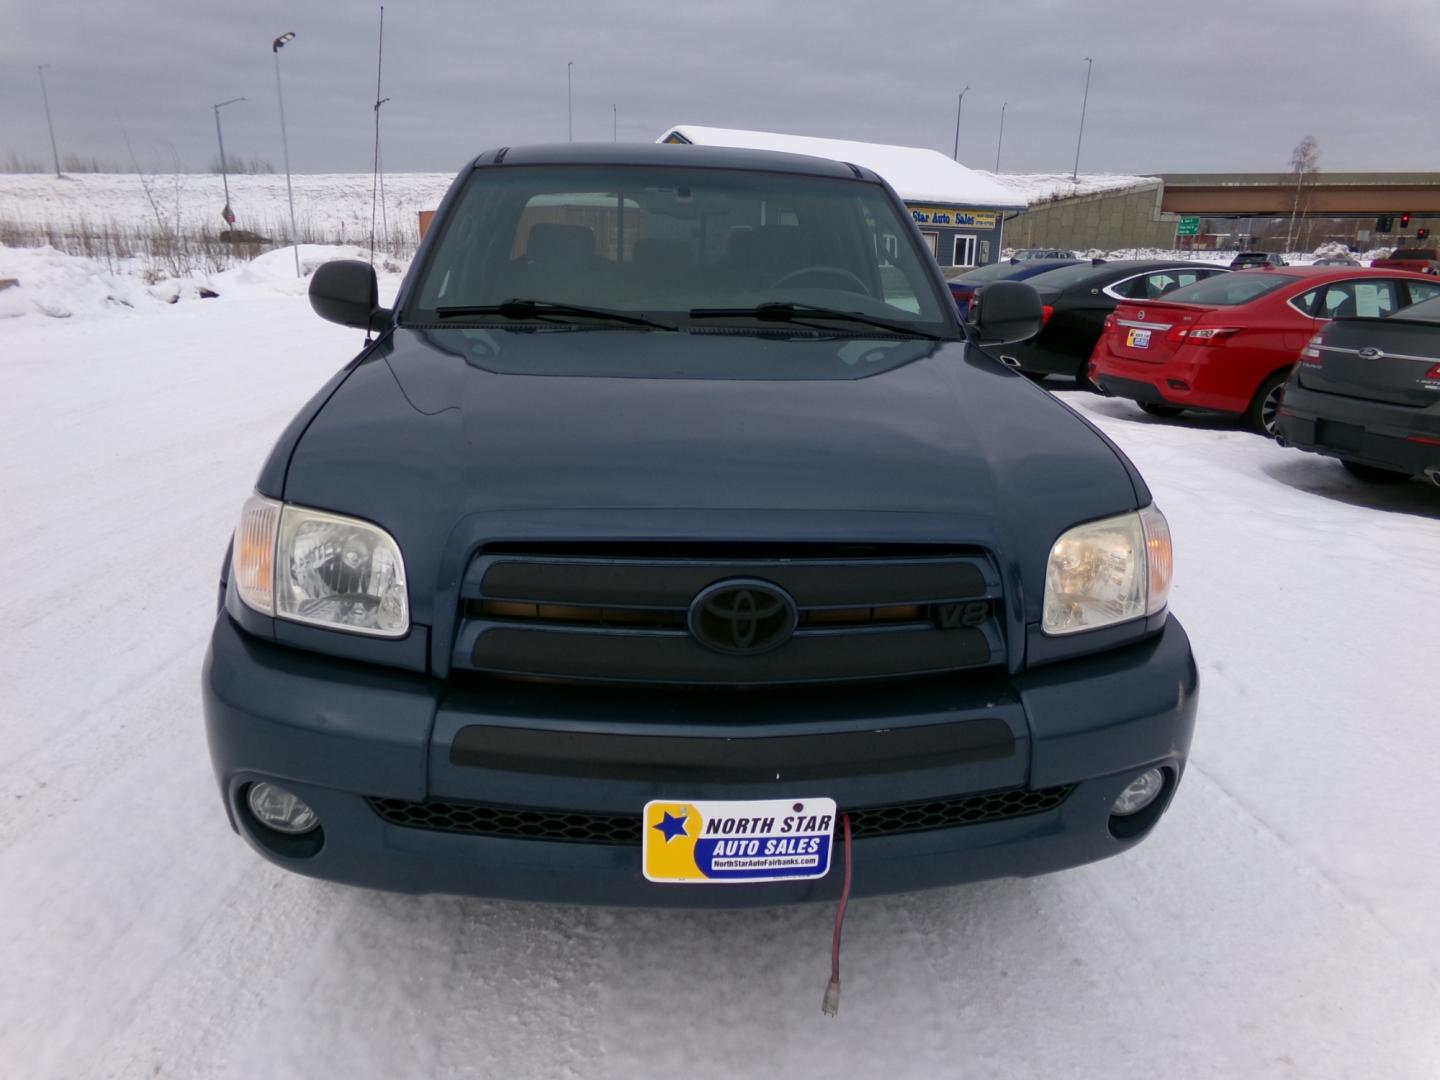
column 1265, row 405
column 1160, row 410
column 1373, row 475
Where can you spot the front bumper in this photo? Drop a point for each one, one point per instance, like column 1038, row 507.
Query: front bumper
column 339, row 734
column 1397, row 437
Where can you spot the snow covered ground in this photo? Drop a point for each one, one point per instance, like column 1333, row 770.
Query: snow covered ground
column 1280, row 922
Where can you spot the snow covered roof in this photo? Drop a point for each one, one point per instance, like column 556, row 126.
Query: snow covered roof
column 919, row 175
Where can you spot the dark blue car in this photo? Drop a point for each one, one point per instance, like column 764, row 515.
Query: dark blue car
column 673, row 543
column 963, row 288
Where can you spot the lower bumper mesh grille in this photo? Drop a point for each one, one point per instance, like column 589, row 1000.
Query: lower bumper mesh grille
column 624, row 829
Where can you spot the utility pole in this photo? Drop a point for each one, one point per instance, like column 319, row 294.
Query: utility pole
column 275, row 47
column 227, row 214
column 569, row 101
column 614, row 124
column 1001, row 137
column 1075, row 174
column 377, row 184
column 46, row 98
column 955, row 155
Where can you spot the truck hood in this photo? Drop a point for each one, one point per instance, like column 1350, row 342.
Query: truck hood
column 456, row 437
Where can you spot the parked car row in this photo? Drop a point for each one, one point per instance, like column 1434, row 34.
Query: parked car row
column 1178, row 336
column 1227, row 345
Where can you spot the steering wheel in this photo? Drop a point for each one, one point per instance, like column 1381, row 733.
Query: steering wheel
column 822, row 271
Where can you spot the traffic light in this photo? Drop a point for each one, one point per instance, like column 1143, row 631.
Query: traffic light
column 1404, row 221
column 1422, row 234
column 1384, row 224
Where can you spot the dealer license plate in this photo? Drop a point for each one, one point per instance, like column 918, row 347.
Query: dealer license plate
column 1138, row 339
column 711, row 842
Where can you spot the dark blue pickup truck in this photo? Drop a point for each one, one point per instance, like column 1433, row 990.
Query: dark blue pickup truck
column 671, row 541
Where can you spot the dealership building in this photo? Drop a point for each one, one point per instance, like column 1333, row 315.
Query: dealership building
column 960, row 214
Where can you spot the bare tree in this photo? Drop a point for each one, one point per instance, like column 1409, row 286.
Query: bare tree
column 1304, row 161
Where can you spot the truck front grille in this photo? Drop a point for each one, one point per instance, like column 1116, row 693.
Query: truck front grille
column 518, row 823
column 629, row 617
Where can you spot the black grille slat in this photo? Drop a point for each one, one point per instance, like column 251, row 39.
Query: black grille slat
column 640, row 655
column 518, row 823
column 624, row 583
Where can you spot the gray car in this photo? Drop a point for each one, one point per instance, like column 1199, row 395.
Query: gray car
column 1367, row 391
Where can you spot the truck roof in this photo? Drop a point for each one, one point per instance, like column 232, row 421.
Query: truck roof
column 671, row 154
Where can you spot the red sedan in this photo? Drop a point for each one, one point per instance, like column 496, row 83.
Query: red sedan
column 1226, row 344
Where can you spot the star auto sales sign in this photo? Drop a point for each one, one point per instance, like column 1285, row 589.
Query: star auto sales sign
column 755, row 840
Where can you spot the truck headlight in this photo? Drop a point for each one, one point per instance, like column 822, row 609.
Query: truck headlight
column 1108, row 572
column 324, row 569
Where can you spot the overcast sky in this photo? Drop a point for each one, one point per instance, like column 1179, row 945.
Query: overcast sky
column 1183, row 85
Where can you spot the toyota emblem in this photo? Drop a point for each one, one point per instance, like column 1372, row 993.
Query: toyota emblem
column 1370, row 353
column 742, row 617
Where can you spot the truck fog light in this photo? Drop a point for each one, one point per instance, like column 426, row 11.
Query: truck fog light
column 1139, row 793
column 282, row 810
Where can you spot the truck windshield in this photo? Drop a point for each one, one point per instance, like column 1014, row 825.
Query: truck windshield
column 656, row 244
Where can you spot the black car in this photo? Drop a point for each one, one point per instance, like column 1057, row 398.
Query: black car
column 1076, row 299
column 1367, row 391
column 671, row 536
column 963, row 287
column 1250, row 260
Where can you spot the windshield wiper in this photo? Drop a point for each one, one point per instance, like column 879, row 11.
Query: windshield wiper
column 798, row 313
column 546, row 309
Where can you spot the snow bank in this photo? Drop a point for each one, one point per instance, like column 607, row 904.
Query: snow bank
column 59, row 286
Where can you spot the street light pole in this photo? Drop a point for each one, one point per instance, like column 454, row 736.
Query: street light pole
column 1075, row 174
column 275, row 47
column 227, row 214
column 958, row 106
column 46, row 98
column 569, row 102
column 1001, row 137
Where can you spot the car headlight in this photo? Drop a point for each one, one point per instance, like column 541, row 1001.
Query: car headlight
column 1108, row 572
column 324, row 569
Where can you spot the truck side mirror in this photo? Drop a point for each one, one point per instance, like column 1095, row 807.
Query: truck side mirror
column 345, row 291
column 1005, row 312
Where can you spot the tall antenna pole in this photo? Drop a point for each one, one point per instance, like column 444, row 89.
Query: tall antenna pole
column 46, row 98
column 275, row 47
column 958, row 106
column 1001, row 137
column 375, row 183
column 569, row 101
column 1075, row 174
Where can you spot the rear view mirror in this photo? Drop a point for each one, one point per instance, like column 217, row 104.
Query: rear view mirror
column 1005, row 312
column 345, row 291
